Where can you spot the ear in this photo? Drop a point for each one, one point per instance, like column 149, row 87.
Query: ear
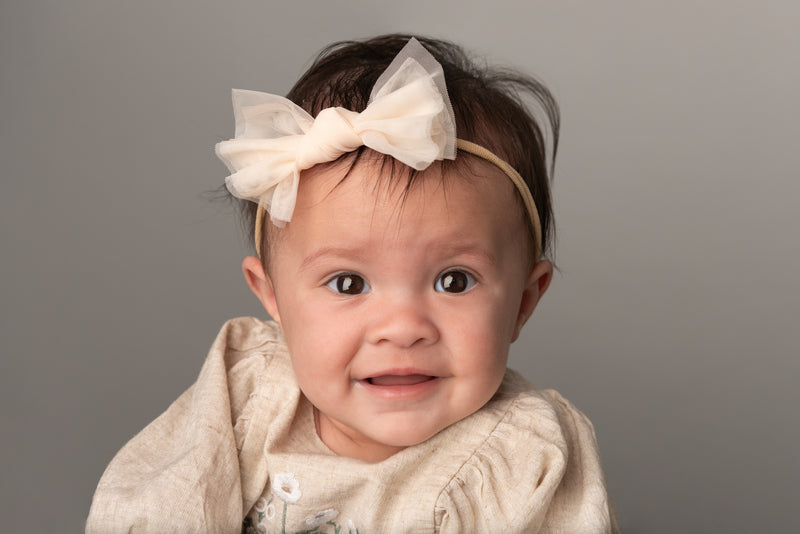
column 537, row 283
column 260, row 284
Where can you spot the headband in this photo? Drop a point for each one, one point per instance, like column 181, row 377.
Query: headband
column 409, row 117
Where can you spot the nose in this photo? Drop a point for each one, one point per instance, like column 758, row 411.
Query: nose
column 403, row 322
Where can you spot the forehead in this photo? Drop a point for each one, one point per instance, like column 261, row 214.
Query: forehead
column 380, row 205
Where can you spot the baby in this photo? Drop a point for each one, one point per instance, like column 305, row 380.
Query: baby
column 400, row 205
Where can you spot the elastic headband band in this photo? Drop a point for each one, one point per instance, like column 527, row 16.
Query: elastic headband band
column 409, row 117
column 475, row 150
column 519, row 183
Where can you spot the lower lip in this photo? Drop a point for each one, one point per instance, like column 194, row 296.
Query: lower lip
column 402, row 391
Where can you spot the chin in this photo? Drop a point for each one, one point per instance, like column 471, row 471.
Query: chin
column 397, row 437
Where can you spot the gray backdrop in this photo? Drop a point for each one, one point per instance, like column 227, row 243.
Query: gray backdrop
column 673, row 323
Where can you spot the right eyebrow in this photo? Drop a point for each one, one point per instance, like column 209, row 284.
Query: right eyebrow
column 329, row 251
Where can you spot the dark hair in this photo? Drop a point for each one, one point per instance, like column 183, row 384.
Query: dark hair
column 489, row 106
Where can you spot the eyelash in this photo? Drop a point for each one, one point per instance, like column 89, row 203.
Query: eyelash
column 454, row 276
column 341, row 282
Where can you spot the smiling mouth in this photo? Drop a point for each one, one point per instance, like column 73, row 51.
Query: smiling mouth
column 399, row 380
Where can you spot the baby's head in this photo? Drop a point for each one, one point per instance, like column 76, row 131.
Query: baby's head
column 399, row 288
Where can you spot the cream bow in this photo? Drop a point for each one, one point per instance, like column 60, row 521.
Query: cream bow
column 409, row 117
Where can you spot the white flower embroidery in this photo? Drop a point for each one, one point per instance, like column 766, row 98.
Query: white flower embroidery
column 262, row 528
column 351, row 528
column 286, row 488
column 320, row 518
column 270, row 512
column 261, row 505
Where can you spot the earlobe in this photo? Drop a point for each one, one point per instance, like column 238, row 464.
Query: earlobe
column 260, row 284
column 536, row 285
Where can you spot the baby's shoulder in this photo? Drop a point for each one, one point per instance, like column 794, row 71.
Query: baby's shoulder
column 243, row 336
column 539, row 462
column 253, row 357
column 247, row 345
column 521, row 422
column 189, row 457
column 545, row 412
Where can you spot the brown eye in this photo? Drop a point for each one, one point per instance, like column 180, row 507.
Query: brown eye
column 349, row 284
column 454, row 282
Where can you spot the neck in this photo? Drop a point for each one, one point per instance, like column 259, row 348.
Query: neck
column 345, row 443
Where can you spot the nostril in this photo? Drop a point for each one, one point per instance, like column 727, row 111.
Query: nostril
column 403, row 325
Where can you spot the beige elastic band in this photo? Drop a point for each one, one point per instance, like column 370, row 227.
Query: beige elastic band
column 475, row 150
column 519, row 183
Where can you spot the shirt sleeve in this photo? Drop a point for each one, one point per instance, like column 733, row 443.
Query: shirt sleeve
column 538, row 471
column 182, row 472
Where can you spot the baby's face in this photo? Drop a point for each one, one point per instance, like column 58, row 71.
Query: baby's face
column 399, row 313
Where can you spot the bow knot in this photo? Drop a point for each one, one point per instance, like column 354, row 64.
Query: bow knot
column 331, row 135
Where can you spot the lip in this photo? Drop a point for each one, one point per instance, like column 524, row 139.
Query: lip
column 399, row 383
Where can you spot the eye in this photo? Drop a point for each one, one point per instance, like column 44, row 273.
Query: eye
column 454, row 282
column 348, row 284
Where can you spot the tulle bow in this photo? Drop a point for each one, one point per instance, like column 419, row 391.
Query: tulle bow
column 409, row 117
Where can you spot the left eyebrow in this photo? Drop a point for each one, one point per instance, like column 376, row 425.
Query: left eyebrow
column 467, row 250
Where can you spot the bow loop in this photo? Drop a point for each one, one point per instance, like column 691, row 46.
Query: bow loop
column 409, row 117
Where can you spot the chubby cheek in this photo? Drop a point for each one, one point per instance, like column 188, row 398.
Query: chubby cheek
column 487, row 341
column 322, row 385
column 490, row 327
column 321, row 360
column 481, row 357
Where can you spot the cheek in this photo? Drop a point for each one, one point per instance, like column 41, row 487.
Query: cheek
column 491, row 323
column 318, row 377
column 483, row 352
column 321, row 350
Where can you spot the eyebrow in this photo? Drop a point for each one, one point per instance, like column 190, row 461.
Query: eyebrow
column 321, row 252
column 358, row 253
column 468, row 249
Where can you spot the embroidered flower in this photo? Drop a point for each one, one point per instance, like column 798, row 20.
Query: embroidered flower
column 261, row 505
column 351, row 528
column 286, row 488
column 320, row 518
column 269, row 513
column 262, row 528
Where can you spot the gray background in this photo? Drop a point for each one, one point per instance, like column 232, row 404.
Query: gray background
column 673, row 323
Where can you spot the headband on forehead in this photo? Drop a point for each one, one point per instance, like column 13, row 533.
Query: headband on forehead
column 408, row 117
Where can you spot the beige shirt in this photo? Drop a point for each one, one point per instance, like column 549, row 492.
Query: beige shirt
column 240, row 445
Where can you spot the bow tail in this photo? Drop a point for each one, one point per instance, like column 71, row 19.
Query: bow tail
column 280, row 204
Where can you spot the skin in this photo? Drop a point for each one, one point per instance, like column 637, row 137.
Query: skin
column 398, row 313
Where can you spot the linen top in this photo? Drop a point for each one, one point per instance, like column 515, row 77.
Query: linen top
column 238, row 452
